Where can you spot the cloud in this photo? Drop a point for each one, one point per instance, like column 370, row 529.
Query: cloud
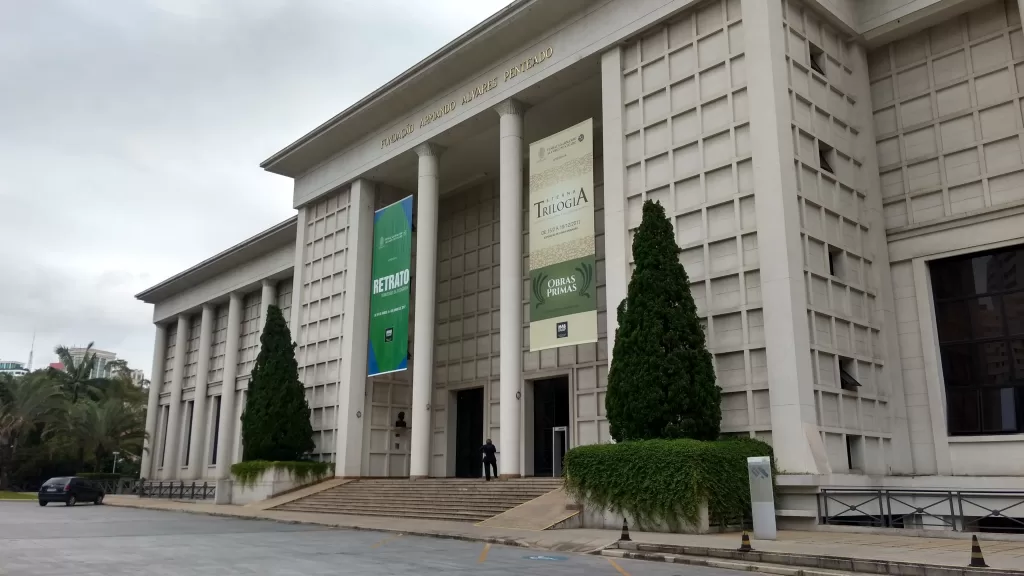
column 132, row 132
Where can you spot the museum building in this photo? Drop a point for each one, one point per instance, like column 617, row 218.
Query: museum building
column 845, row 181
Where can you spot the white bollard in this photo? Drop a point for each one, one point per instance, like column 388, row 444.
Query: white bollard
column 762, row 499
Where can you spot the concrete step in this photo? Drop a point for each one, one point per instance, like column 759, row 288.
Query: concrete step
column 354, row 499
column 465, row 500
column 442, row 494
column 398, row 513
column 412, row 508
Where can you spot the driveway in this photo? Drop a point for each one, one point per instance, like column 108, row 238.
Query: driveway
column 103, row 540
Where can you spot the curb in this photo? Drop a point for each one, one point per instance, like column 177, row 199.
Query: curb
column 790, row 564
column 341, row 525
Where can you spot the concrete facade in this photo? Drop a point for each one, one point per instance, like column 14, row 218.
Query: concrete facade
column 815, row 157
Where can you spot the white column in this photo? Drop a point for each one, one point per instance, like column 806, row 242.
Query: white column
column 616, row 239
column 156, row 382
column 197, row 444
column 267, row 297
column 426, row 287
column 798, row 445
column 354, row 350
column 226, row 431
column 511, row 290
column 171, row 445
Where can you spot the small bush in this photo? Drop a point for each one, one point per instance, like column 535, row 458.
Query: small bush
column 654, row 480
column 248, row 472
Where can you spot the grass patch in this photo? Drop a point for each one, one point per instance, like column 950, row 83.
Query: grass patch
column 248, row 472
column 4, row 495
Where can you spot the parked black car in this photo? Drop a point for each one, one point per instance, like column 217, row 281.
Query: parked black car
column 70, row 490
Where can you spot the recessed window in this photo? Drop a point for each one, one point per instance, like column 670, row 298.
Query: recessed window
column 855, row 453
column 836, row 264
column 826, row 157
column 817, row 59
column 216, row 430
column 846, row 379
column 979, row 316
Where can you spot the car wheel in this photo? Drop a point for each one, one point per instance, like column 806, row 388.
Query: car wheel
column 41, row 503
column 71, row 501
column 98, row 500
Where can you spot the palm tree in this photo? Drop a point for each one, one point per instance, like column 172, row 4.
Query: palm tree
column 76, row 378
column 26, row 405
column 107, row 425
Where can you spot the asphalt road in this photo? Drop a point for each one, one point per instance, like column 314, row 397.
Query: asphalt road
column 92, row 540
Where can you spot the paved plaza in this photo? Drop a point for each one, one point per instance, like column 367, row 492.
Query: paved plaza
column 104, row 540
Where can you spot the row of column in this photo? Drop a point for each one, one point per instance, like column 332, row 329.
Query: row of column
column 510, row 290
column 171, row 469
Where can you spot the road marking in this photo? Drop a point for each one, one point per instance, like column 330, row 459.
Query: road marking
column 385, row 541
column 483, row 554
column 617, row 567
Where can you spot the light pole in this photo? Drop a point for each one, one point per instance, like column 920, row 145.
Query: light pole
column 116, row 454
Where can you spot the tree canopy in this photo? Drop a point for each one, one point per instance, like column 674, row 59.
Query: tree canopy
column 275, row 423
column 55, row 423
column 662, row 382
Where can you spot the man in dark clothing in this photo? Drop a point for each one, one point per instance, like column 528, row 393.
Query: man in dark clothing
column 490, row 461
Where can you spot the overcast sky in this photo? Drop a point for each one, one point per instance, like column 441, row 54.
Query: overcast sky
column 131, row 133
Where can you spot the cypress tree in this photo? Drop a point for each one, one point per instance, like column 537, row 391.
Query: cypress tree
column 275, row 423
column 661, row 383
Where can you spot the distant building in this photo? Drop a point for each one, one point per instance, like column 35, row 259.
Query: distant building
column 13, row 367
column 103, row 360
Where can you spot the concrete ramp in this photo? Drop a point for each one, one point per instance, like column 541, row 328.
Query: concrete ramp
column 538, row 514
column 297, row 494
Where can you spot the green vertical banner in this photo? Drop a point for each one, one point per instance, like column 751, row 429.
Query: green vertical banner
column 389, row 293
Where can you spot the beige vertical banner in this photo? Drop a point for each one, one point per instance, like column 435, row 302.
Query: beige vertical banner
column 563, row 256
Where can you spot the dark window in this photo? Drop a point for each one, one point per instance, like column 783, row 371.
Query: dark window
column 979, row 315
column 188, row 431
column 846, row 378
column 163, row 447
column 825, row 154
column 216, row 429
column 817, row 58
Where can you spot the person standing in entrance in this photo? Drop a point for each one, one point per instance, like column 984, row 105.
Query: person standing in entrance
column 490, row 461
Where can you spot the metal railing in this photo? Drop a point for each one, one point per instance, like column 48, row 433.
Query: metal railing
column 960, row 510
column 119, row 486
column 178, row 490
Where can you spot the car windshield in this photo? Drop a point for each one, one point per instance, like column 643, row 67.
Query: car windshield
column 57, row 481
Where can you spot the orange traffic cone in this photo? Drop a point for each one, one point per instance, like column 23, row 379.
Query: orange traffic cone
column 977, row 560
column 745, row 543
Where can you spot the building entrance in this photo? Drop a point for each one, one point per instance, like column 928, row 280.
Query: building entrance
column 550, row 411
column 469, row 432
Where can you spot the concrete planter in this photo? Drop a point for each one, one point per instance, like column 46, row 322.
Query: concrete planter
column 604, row 519
column 269, row 483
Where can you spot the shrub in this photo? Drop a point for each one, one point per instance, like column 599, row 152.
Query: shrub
column 665, row 480
column 275, row 424
column 248, row 472
column 661, row 383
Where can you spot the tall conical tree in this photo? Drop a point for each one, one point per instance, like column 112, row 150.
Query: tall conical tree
column 662, row 382
column 275, row 424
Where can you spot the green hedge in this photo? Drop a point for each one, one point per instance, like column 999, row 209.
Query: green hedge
column 665, row 480
column 100, row 476
column 248, row 472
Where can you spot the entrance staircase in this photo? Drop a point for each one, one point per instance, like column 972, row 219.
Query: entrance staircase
column 463, row 500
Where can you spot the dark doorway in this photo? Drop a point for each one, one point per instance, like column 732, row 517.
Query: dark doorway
column 550, row 410
column 469, row 432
